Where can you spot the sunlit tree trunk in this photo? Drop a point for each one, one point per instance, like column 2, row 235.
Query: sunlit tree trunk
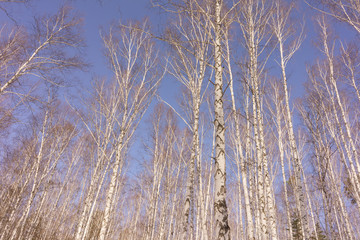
column 222, row 228
column 35, row 170
column 346, row 137
column 278, row 120
column 280, row 25
column 324, row 126
column 103, row 113
column 253, row 21
column 241, row 161
column 133, row 93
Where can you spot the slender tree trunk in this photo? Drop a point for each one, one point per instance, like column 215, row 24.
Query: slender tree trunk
column 299, row 192
column 222, row 228
column 241, row 161
column 351, row 152
column 188, row 223
column 113, row 183
column 279, row 113
column 35, row 184
column 253, row 34
column 340, row 203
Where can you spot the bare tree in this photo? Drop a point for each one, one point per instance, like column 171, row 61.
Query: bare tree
column 350, row 58
column 33, row 56
column 347, row 11
column 169, row 149
column 342, row 119
column 210, row 15
column 283, row 31
column 133, row 60
column 191, row 43
column 38, row 163
column 118, row 107
column 253, row 19
column 44, row 52
column 239, row 152
column 221, row 213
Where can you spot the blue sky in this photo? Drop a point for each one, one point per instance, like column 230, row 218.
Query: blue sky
column 100, row 14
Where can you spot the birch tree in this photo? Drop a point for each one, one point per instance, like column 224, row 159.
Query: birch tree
column 241, row 154
column 222, row 228
column 350, row 59
column 278, row 117
column 133, row 60
column 118, row 108
column 211, row 15
column 38, row 163
column 253, row 19
column 44, row 52
column 319, row 119
column 32, row 57
column 283, row 31
column 169, row 148
column 327, row 119
column 342, row 118
column 190, row 41
column 347, row 11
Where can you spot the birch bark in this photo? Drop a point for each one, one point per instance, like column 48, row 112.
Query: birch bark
column 282, row 33
column 239, row 151
column 222, row 228
column 253, row 21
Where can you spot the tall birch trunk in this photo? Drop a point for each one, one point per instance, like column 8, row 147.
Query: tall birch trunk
column 345, row 137
column 280, row 22
column 278, row 102
column 35, row 184
column 188, row 224
column 253, row 21
column 222, row 229
column 241, row 161
column 116, row 171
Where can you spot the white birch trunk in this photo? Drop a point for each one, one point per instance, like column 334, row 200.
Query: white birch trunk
column 240, row 162
column 279, row 113
column 299, row 193
column 35, row 184
column 252, row 26
column 113, row 183
column 333, row 90
column 222, row 229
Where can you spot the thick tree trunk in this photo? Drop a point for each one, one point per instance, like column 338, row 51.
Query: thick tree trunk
column 222, row 229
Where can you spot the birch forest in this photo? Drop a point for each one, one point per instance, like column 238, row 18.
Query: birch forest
column 196, row 131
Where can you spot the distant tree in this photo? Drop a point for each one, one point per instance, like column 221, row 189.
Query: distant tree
column 349, row 190
column 31, row 172
column 283, row 31
column 296, row 227
column 254, row 19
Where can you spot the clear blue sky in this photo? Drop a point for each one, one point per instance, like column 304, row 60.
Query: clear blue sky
column 99, row 14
